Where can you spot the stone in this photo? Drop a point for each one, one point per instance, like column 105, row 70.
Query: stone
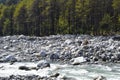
column 100, row 78
column 116, row 38
column 43, row 53
column 43, row 64
column 95, row 58
column 103, row 57
column 5, row 47
column 67, row 56
column 54, row 56
column 85, row 42
column 118, row 56
column 68, row 41
column 78, row 42
column 55, row 75
column 10, row 58
column 78, row 60
column 112, row 58
column 21, row 37
column 65, row 78
column 24, row 68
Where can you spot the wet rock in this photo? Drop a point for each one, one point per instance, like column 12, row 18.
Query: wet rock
column 55, row 75
column 65, row 78
column 78, row 60
column 43, row 64
column 24, row 68
column 22, row 77
column 54, row 56
column 100, row 78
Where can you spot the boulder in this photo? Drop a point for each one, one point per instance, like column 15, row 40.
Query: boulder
column 103, row 57
column 5, row 47
column 95, row 59
column 21, row 37
column 10, row 58
column 24, row 68
column 78, row 60
column 68, row 41
column 79, row 42
column 43, row 64
column 67, row 56
column 116, row 38
column 43, row 53
column 54, row 56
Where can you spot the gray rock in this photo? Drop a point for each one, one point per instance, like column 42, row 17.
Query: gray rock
column 66, row 78
column 10, row 58
column 43, row 64
column 67, row 56
column 78, row 60
column 118, row 56
column 5, row 47
column 103, row 57
column 54, row 56
column 43, row 53
column 68, row 41
column 21, row 37
column 116, row 38
column 55, row 75
column 95, row 58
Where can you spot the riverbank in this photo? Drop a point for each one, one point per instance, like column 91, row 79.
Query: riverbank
column 61, row 49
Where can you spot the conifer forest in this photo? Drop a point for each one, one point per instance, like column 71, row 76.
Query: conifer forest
column 51, row 17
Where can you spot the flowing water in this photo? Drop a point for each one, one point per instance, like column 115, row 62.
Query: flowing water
column 80, row 72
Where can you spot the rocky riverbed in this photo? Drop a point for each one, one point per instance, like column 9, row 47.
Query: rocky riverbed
column 61, row 49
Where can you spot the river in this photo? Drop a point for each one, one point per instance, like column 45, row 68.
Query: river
column 79, row 72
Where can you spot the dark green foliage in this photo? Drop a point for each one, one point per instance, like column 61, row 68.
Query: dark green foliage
column 49, row 17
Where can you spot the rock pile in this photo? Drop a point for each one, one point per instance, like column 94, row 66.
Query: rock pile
column 60, row 48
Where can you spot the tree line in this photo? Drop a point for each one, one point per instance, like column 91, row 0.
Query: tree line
column 50, row 17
